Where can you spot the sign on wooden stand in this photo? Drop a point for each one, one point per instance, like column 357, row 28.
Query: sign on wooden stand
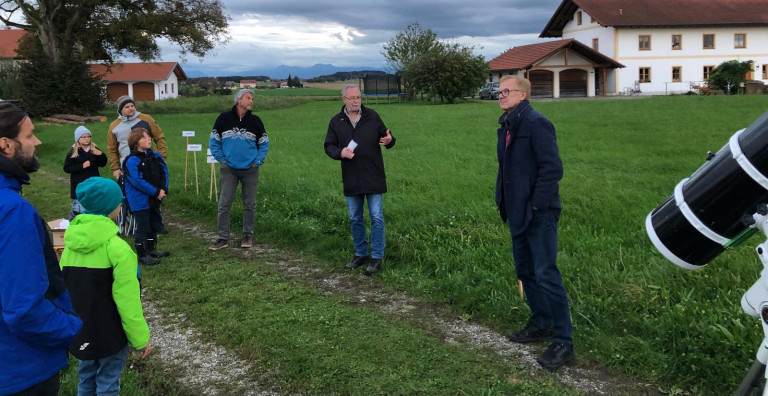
column 194, row 148
column 214, row 186
column 187, row 134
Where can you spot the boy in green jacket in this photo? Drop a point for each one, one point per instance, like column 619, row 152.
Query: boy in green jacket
column 100, row 270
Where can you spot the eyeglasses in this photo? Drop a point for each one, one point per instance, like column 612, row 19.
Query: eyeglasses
column 353, row 98
column 505, row 92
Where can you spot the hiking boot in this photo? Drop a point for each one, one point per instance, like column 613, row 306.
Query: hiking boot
column 373, row 267
column 531, row 333
column 247, row 242
column 151, row 243
column 220, row 244
column 557, row 355
column 357, row 261
column 143, row 255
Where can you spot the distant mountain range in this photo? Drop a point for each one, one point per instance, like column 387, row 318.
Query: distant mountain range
column 280, row 72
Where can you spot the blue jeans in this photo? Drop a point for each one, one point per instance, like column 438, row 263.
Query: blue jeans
column 535, row 255
column 249, row 178
column 357, row 223
column 102, row 376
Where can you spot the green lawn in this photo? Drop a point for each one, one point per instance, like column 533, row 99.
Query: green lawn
column 632, row 310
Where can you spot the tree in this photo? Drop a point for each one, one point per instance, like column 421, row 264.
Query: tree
column 64, row 87
column 297, row 82
column 729, row 75
column 103, row 29
column 290, row 81
column 406, row 49
column 428, row 65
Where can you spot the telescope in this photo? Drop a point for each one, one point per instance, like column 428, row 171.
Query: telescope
column 722, row 204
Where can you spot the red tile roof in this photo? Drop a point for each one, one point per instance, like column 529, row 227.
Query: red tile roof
column 128, row 72
column 642, row 13
column 9, row 42
column 525, row 56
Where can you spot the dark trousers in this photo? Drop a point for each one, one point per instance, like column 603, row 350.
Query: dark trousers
column 49, row 387
column 535, row 255
column 148, row 223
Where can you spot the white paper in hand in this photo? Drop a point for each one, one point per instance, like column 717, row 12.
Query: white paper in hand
column 352, row 144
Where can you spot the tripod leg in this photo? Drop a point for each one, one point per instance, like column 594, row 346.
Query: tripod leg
column 754, row 382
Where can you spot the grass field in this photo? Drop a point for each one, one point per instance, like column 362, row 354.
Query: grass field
column 632, row 310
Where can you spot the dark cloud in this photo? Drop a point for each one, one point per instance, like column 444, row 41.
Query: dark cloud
column 447, row 18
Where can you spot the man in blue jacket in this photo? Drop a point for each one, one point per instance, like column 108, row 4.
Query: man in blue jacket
column 528, row 198
column 37, row 323
column 240, row 144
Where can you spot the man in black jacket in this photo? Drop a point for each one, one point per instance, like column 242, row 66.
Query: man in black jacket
column 354, row 136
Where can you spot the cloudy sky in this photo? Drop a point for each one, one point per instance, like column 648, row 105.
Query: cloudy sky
column 270, row 33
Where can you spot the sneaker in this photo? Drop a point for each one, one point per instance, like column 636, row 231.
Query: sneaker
column 220, row 244
column 247, row 242
column 558, row 354
column 357, row 261
column 531, row 334
column 373, row 267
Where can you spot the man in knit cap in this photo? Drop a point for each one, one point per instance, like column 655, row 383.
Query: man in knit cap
column 129, row 118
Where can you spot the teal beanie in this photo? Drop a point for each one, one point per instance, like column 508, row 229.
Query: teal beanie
column 99, row 196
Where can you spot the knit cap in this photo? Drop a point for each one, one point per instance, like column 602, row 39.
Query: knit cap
column 99, row 196
column 122, row 101
column 80, row 131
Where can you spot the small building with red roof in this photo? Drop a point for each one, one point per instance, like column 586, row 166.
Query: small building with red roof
column 142, row 81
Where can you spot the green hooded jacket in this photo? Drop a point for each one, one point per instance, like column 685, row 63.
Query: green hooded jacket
column 100, row 271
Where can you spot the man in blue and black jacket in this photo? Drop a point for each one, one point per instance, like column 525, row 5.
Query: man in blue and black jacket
column 240, row 144
column 37, row 324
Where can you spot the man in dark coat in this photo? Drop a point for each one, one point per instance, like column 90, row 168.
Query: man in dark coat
column 528, row 198
column 354, row 136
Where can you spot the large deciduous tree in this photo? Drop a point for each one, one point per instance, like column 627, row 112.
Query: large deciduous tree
column 429, row 65
column 104, row 29
column 65, row 34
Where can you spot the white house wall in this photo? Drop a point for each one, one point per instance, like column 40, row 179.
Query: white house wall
column 692, row 58
column 168, row 89
column 621, row 44
column 588, row 31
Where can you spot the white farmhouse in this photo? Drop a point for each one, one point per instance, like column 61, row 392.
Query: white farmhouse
column 666, row 46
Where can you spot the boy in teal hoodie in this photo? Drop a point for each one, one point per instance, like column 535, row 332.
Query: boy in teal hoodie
column 100, row 271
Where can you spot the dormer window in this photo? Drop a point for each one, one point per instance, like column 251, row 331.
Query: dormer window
column 578, row 18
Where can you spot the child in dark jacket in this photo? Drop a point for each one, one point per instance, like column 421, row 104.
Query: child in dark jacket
column 146, row 185
column 82, row 162
column 99, row 269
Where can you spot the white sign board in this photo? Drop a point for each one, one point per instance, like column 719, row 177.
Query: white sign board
column 212, row 160
column 194, row 147
column 188, row 133
column 209, row 152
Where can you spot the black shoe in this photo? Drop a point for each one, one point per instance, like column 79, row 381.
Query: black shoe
column 143, row 255
column 357, row 261
column 151, row 244
column 531, row 334
column 558, row 354
column 373, row 267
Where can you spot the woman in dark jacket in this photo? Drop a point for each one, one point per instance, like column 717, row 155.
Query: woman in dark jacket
column 82, row 162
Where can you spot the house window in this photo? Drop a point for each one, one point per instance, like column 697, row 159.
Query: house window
column 677, row 42
column 677, row 72
column 709, row 41
column 592, row 19
column 765, row 72
column 595, row 45
column 644, row 42
column 578, row 18
column 645, row 75
column 740, row 40
column 166, row 87
column 172, row 84
column 706, row 71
